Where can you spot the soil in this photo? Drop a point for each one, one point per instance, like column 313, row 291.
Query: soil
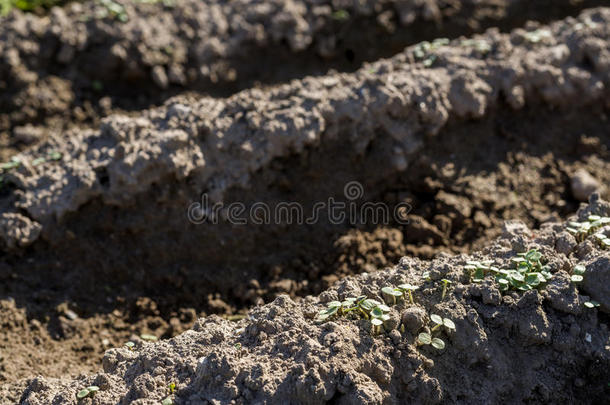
column 97, row 248
column 541, row 346
column 80, row 63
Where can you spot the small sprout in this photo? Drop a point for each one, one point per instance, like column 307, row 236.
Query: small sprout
column 237, row 346
column 445, row 285
column 13, row 164
column 576, row 278
column 449, row 324
column 438, row 343
column 437, row 320
column 479, row 45
column 148, row 338
column 408, row 288
column 54, row 155
column 440, row 321
column 392, row 292
column 172, row 387
column 168, row 401
column 538, row 35
column 38, row 161
column 426, row 276
column 579, row 269
column 89, row 391
column 331, row 309
column 130, row 345
column 340, row 15
column 426, row 339
column 591, row 304
column 376, row 322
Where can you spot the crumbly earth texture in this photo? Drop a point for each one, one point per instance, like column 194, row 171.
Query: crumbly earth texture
column 97, row 249
column 539, row 346
column 80, row 63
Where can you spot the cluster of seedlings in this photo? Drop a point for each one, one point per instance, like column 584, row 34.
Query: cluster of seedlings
column 594, row 225
column 15, row 162
column 377, row 312
column 426, row 338
column 528, row 272
column 424, row 51
column 88, row 392
column 480, row 45
column 538, row 35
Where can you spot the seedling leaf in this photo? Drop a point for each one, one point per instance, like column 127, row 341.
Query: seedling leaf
column 424, row 338
column 576, row 278
column 82, row 393
column 438, row 344
column 436, row 319
column 148, row 337
column 579, row 269
column 448, row 323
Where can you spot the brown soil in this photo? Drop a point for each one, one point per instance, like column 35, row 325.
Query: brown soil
column 106, row 272
column 531, row 182
column 70, row 69
column 278, row 354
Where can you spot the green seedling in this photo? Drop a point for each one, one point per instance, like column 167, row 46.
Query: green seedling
column 87, row 392
column 332, row 309
column 392, row 292
column 426, row 276
column 529, row 272
column 602, row 240
column 479, row 45
column 426, row 339
column 172, row 387
column 130, row 345
column 408, row 289
column 439, row 321
column 591, row 304
column 27, row 5
column 577, row 273
column 581, row 230
column 477, row 270
column 361, row 306
column 340, row 15
column 538, row 35
column 379, row 316
column 148, row 338
column 14, row 163
column 114, row 10
column 424, row 51
column 445, row 286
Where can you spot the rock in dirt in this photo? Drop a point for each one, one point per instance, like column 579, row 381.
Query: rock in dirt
column 414, row 319
column 583, row 185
